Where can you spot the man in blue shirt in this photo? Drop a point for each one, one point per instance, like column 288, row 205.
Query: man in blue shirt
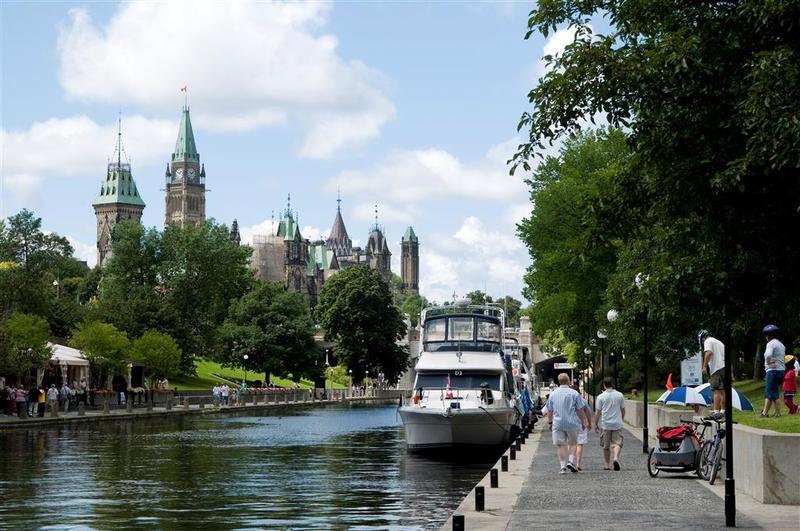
column 566, row 418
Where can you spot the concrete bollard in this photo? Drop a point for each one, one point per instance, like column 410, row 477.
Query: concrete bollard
column 186, row 402
column 479, row 498
column 169, row 403
column 494, row 480
column 129, row 406
column 81, row 409
column 458, row 522
column 149, row 405
column 504, row 463
column 54, row 409
column 106, row 406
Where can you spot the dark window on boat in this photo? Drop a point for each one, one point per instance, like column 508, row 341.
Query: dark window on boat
column 463, row 381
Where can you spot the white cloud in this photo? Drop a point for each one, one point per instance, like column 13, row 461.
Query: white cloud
column 472, row 258
column 247, row 64
column 77, row 147
column 405, row 178
column 83, row 251
column 555, row 45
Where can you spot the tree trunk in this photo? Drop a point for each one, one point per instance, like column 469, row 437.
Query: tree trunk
column 757, row 364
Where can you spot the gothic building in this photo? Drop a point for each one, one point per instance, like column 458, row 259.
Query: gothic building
column 185, row 179
column 304, row 266
column 118, row 200
column 409, row 261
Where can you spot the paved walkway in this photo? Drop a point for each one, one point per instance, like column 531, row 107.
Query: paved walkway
column 598, row 499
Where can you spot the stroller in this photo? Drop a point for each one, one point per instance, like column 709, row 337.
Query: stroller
column 678, row 450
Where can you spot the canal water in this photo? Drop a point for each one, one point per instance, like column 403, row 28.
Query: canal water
column 335, row 467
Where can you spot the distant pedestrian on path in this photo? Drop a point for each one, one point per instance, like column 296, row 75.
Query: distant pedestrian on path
column 790, row 384
column 774, row 368
column 225, row 392
column 566, row 418
column 714, row 365
column 52, row 397
column 583, row 437
column 608, row 417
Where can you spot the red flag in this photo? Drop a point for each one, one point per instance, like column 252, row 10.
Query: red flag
column 449, row 387
column 670, row 387
column 183, row 88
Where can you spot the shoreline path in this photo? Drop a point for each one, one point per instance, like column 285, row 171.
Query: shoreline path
column 535, row 495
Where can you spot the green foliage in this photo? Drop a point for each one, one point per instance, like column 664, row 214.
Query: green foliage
column 706, row 204
column 158, row 353
column 356, row 311
column 478, row 297
column 274, row 329
column 513, row 309
column 23, row 344
column 104, row 346
column 411, row 304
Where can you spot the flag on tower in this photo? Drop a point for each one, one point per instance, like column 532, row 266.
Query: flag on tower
column 183, row 88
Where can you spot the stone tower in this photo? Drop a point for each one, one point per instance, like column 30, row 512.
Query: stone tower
column 338, row 240
column 185, row 180
column 118, row 200
column 409, row 261
column 377, row 252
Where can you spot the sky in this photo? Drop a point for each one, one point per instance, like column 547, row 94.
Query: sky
column 409, row 106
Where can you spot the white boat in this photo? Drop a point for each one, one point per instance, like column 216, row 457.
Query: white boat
column 467, row 391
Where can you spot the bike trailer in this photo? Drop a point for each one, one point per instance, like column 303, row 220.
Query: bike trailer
column 678, row 447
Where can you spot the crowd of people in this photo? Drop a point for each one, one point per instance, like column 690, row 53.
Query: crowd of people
column 35, row 399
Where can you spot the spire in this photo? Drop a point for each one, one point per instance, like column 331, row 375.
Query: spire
column 338, row 240
column 234, row 235
column 410, row 236
column 185, row 148
column 338, row 200
column 118, row 186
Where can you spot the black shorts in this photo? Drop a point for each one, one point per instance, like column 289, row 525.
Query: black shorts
column 718, row 380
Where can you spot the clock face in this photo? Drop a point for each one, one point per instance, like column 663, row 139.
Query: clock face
column 191, row 172
column 179, row 173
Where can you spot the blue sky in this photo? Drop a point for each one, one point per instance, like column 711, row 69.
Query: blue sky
column 410, row 106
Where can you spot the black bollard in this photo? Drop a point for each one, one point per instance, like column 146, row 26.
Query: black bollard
column 479, row 499
column 493, row 478
column 504, row 463
column 458, row 522
column 521, row 439
column 513, row 453
column 518, row 445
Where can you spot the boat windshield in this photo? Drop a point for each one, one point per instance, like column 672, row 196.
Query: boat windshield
column 456, row 332
column 461, row 381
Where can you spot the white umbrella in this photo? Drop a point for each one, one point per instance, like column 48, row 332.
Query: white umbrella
column 683, row 396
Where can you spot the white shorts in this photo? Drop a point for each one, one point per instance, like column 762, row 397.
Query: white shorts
column 564, row 438
column 583, row 436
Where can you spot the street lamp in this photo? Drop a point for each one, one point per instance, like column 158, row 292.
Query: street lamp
column 640, row 281
column 351, row 379
column 587, row 351
column 57, row 285
column 245, row 358
column 612, row 316
column 601, row 336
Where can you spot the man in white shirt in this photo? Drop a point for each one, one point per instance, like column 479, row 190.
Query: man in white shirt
column 714, row 365
column 608, row 416
column 774, row 370
column 566, row 418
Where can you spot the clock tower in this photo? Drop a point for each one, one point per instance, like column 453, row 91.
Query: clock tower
column 185, row 180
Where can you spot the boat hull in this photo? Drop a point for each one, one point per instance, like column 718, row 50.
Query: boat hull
column 430, row 428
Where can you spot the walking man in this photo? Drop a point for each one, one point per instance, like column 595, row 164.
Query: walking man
column 566, row 418
column 608, row 417
column 714, row 365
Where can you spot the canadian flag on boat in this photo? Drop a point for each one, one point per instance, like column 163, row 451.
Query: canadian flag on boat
column 449, row 387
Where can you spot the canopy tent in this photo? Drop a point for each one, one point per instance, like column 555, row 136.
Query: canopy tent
column 67, row 363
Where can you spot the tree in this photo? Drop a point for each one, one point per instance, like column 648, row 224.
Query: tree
column 478, row 297
column 274, row 329
column 24, row 344
column 355, row 310
column 104, row 346
column 512, row 307
column 708, row 201
column 158, row 353
column 29, row 257
column 412, row 304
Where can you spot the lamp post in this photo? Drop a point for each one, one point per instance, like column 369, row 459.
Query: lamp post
column 588, row 352
column 57, row 285
column 245, row 358
column 602, row 334
column 640, row 281
column 351, row 379
column 612, row 316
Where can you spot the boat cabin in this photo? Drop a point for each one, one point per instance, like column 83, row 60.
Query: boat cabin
column 462, row 332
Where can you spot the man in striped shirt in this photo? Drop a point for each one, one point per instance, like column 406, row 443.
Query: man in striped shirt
column 566, row 418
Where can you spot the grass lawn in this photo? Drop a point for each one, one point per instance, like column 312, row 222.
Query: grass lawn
column 754, row 391
column 205, row 379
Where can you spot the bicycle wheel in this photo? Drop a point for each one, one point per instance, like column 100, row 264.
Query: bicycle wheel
column 705, row 462
column 717, row 463
column 652, row 467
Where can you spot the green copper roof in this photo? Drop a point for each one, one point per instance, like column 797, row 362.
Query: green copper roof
column 320, row 255
column 118, row 187
column 288, row 228
column 185, row 149
column 409, row 235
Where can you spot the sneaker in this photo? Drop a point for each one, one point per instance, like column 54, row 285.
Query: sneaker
column 563, row 470
column 616, row 466
column 572, row 467
column 717, row 415
column 762, row 415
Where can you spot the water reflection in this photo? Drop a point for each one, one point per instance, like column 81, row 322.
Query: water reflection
column 314, row 468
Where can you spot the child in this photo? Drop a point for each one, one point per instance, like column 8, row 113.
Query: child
column 790, row 384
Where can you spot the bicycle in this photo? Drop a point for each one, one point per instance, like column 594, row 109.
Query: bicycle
column 711, row 451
